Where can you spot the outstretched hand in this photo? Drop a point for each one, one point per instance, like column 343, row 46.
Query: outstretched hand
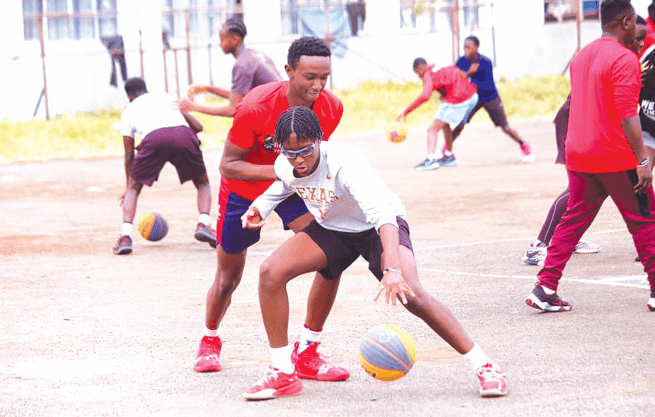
column 184, row 104
column 251, row 219
column 394, row 286
column 400, row 117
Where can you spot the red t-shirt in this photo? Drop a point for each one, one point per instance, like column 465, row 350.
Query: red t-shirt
column 605, row 83
column 254, row 126
column 450, row 81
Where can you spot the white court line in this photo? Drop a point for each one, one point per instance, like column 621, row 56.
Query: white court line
column 529, row 239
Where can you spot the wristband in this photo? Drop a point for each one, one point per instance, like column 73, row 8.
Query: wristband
column 644, row 163
column 387, row 270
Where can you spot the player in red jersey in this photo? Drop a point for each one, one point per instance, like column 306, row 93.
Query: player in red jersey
column 459, row 97
column 247, row 171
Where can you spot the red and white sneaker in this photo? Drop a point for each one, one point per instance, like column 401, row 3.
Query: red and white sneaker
column 208, row 353
column 585, row 246
column 310, row 365
column 528, row 156
column 493, row 382
column 274, row 383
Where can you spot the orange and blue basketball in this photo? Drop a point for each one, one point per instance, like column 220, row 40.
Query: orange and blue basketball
column 153, row 226
column 387, row 352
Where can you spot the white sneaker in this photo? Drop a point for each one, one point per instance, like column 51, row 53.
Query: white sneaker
column 584, row 246
column 493, row 382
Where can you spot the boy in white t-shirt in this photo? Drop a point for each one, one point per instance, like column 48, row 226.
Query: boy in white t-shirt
column 168, row 136
column 355, row 214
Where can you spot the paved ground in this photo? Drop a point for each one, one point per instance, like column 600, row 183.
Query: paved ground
column 86, row 333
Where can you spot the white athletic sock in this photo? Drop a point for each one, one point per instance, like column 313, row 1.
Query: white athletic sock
column 431, row 156
column 212, row 332
column 204, row 218
column 447, row 153
column 308, row 337
column 548, row 291
column 281, row 358
column 476, row 357
column 127, row 229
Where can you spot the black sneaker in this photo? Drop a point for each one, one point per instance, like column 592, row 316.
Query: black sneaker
column 123, row 246
column 204, row 233
column 539, row 300
column 651, row 301
column 447, row 160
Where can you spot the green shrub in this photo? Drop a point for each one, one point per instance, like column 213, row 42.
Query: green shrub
column 370, row 107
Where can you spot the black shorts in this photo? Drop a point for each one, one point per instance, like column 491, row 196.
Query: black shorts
column 496, row 111
column 178, row 145
column 343, row 248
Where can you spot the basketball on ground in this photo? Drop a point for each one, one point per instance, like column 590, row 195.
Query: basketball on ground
column 153, row 226
column 387, row 352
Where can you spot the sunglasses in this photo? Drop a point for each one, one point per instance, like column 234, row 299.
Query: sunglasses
column 304, row 152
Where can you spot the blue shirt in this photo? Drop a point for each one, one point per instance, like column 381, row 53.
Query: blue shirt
column 483, row 78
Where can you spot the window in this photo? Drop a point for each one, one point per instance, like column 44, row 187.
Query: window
column 561, row 10
column 69, row 19
column 31, row 10
column 205, row 17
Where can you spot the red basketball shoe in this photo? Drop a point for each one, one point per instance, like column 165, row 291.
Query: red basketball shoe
column 208, row 353
column 493, row 382
column 274, row 383
column 310, row 365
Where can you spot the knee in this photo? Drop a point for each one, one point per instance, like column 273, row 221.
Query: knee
column 270, row 278
column 417, row 304
column 225, row 283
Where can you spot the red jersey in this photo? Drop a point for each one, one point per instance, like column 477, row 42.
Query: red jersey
column 254, row 127
column 605, row 83
column 450, row 81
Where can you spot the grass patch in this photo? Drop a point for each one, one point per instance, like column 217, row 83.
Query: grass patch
column 370, row 107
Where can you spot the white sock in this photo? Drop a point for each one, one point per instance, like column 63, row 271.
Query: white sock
column 204, row 218
column 281, row 358
column 448, row 153
column 548, row 291
column 476, row 357
column 127, row 229
column 212, row 332
column 308, row 337
column 431, row 156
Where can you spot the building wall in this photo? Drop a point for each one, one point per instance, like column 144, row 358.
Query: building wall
column 78, row 71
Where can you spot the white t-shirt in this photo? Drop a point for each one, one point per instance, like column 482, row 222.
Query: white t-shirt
column 148, row 112
column 344, row 193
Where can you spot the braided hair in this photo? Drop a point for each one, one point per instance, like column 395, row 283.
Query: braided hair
column 299, row 120
column 236, row 26
column 308, row 46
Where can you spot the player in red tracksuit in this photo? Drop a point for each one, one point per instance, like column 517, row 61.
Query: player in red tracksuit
column 605, row 152
column 247, row 171
column 459, row 97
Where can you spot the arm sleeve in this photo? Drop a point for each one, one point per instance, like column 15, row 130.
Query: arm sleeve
column 428, row 88
column 366, row 187
column 463, row 64
column 626, row 79
column 241, row 133
column 274, row 195
column 242, row 77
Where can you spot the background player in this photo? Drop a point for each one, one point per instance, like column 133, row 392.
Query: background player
column 605, row 153
column 247, row 170
column 355, row 214
column 252, row 68
column 168, row 136
column 480, row 70
column 458, row 97
column 536, row 253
